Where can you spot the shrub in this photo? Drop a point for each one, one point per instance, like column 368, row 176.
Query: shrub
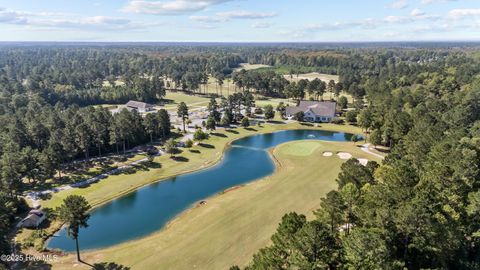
column 188, row 143
column 343, row 102
column 299, row 116
column 351, row 116
column 245, row 122
column 269, row 112
column 199, row 135
column 258, row 110
column 337, row 121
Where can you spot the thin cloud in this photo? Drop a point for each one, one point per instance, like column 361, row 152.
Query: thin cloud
column 240, row 14
column 463, row 13
column 399, row 4
column 428, row 2
column 207, row 19
column 68, row 21
column 262, row 25
column 233, row 15
column 174, row 7
column 417, row 13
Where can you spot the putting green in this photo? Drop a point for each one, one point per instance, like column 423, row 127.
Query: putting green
column 301, row 149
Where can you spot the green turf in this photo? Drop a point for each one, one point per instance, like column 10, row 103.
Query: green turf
column 305, row 148
column 235, row 224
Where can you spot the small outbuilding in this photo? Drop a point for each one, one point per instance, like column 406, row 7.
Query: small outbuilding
column 34, row 219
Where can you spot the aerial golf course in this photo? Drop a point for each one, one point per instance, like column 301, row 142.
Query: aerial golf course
column 231, row 225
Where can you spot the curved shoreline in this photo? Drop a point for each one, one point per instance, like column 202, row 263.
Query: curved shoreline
column 205, row 166
column 278, row 167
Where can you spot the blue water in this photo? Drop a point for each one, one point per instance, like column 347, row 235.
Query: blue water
column 148, row 209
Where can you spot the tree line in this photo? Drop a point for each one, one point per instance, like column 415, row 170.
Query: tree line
column 420, row 208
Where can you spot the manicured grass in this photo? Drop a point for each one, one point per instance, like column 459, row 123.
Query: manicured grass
column 233, row 225
column 179, row 96
column 305, row 148
column 274, row 102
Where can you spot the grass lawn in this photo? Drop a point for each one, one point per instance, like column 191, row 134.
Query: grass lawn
column 179, row 96
column 301, row 149
column 274, row 102
column 233, row 225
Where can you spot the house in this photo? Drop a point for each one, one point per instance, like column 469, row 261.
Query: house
column 314, row 111
column 138, row 106
column 33, row 220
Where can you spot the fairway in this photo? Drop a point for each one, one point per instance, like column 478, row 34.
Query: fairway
column 231, row 226
column 179, row 96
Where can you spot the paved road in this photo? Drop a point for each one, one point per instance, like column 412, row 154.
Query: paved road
column 365, row 148
column 35, row 196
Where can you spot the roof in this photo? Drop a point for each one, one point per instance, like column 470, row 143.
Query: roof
column 138, row 105
column 35, row 216
column 320, row 108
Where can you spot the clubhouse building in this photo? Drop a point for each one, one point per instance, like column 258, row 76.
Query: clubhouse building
column 314, row 111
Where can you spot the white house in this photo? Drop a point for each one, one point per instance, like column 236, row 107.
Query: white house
column 314, row 111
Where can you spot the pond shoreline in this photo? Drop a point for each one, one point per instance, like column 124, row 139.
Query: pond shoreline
column 206, row 166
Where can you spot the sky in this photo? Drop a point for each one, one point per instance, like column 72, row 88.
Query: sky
column 240, row 20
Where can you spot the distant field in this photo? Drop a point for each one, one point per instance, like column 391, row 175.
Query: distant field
column 192, row 101
column 117, row 83
column 248, row 66
column 312, row 76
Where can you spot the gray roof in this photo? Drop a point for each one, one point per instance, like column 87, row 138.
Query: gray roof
column 34, row 216
column 319, row 108
column 138, row 105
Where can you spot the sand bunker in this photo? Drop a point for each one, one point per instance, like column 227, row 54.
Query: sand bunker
column 344, row 155
column 327, row 154
column 363, row 161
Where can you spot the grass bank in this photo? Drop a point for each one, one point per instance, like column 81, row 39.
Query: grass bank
column 233, row 225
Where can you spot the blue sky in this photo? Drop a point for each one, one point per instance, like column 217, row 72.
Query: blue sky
column 239, row 20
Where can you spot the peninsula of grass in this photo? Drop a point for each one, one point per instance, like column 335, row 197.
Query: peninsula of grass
column 233, row 225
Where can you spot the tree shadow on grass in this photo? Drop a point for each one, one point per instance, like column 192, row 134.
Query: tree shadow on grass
column 180, row 159
column 250, row 129
column 206, row 145
column 232, row 131
column 194, row 151
column 153, row 165
column 306, row 124
column 109, row 266
column 275, row 122
column 218, row 134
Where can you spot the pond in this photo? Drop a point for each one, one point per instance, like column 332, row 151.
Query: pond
column 148, row 209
